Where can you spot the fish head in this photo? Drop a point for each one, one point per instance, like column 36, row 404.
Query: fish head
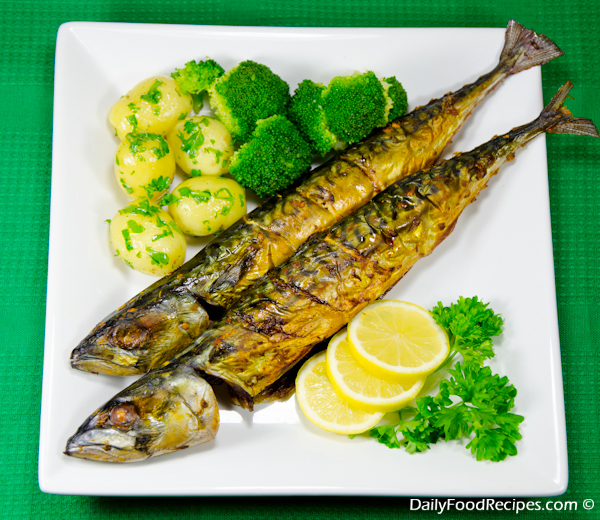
column 167, row 410
column 120, row 348
column 136, row 340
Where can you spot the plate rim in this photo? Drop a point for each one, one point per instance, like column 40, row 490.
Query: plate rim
column 44, row 483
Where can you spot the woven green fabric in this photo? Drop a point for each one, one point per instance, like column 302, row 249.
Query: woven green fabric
column 27, row 42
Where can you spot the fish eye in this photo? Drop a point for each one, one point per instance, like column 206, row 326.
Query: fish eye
column 123, row 415
column 130, row 335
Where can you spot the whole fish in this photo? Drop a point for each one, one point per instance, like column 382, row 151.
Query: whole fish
column 168, row 316
column 330, row 279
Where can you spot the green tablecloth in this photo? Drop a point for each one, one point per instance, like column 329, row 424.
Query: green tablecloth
column 27, row 43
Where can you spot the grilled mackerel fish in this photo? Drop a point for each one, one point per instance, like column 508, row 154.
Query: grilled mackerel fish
column 168, row 316
column 329, row 280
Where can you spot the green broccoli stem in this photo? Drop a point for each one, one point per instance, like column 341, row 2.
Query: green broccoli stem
column 197, row 101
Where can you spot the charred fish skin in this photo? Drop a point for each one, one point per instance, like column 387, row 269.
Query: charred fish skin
column 272, row 233
column 172, row 409
column 326, row 283
column 309, row 297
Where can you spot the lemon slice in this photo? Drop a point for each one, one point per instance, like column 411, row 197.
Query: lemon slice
column 394, row 339
column 360, row 387
column 323, row 406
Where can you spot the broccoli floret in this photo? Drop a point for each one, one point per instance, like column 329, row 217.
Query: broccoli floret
column 396, row 97
column 274, row 157
column 347, row 110
column 354, row 105
column 196, row 78
column 247, row 93
column 306, row 112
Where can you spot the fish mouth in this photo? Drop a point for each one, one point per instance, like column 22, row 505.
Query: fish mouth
column 104, row 445
column 105, row 359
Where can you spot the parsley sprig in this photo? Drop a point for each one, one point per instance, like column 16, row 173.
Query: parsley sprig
column 473, row 402
column 470, row 326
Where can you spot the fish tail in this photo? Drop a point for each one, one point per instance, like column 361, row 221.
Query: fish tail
column 525, row 48
column 553, row 119
column 571, row 125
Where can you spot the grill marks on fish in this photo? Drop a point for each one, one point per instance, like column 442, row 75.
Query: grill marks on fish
column 332, row 274
column 337, row 187
column 286, row 319
column 359, row 260
column 335, row 275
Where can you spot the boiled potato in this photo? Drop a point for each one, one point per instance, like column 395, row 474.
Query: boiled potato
column 152, row 106
column 205, row 205
column 147, row 238
column 202, row 146
column 144, row 166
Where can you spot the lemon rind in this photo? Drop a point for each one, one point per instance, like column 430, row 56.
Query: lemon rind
column 314, row 418
column 357, row 400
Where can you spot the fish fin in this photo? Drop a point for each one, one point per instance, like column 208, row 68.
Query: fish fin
column 239, row 397
column 558, row 99
column 530, row 48
column 569, row 125
column 575, row 126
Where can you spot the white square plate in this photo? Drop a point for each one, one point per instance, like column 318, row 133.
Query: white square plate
column 500, row 251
